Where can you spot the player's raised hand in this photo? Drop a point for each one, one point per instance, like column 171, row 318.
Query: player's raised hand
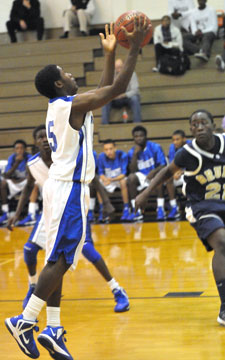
column 109, row 40
column 141, row 28
column 11, row 222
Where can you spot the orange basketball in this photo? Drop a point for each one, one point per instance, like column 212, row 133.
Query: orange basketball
column 127, row 20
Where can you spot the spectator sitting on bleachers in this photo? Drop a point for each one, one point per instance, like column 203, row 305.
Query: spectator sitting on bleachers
column 179, row 11
column 14, row 176
column 167, row 40
column 204, row 26
column 25, row 15
column 112, row 169
column 145, row 159
column 130, row 99
column 80, row 14
column 179, row 140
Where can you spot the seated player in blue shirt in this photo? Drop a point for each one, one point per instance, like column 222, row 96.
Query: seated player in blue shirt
column 112, row 169
column 146, row 158
column 96, row 188
column 14, row 176
column 179, row 140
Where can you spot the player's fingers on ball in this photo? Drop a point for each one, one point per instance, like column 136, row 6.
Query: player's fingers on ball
column 135, row 22
column 111, row 28
column 124, row 30
column 145, row 24
column 106, row 30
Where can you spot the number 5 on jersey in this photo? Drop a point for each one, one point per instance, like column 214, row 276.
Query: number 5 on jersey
column 51, row 137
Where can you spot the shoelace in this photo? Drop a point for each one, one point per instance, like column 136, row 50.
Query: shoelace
column 64, row 339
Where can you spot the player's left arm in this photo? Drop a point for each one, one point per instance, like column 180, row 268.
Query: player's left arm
column 165, row 174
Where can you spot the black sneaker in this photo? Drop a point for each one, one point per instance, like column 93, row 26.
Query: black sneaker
column 221, row 318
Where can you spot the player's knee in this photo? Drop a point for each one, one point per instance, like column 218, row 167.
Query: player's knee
column 90, row 253
column 132, row 179
column 30, row 251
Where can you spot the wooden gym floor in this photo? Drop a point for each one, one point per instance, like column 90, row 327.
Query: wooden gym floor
column 167, row 274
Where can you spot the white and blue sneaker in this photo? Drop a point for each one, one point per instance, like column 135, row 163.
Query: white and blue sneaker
column 27, row 221
column 22, row 331
column 52, row 339
column 125, row 214
column 29, row 293
column 4, row 218
column 135, row 216
column 174, row 213
column 121, row 299
column 160, row 214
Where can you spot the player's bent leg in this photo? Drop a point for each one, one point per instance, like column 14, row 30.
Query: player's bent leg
column 22, row 331
column 217, row 242
column 30, row 251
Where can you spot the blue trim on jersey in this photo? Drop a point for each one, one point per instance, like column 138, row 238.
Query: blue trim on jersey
column 38, row 155
column 79, row 163
column 70, row 229
column 35, row 228
column 88, row 237
column 65, row 98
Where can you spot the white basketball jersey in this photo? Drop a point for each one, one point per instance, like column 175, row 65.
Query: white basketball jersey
column 72, row 150
column 39, row 170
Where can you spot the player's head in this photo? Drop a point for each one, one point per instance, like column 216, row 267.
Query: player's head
column 53, row 82
column 202, row 125
column 40, row 139
column 20, row 146
column 139, row 135
column 202, row 4
column 118, row 65
column 165, row 21
column 109, row 148
column 178, row 138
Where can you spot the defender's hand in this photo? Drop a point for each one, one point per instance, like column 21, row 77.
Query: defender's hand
column 11, row 222
column 109, row 40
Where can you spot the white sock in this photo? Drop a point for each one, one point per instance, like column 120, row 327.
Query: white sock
column 32, row 209
column 32, row 279
column 33, row 308
column 173, row 203
column 133, row 203
column 5, row 208
column 53, row 316
column 160, row 202
column 92, row 203
column 113, row 284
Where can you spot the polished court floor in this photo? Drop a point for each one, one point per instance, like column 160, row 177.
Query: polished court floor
column 167, row 275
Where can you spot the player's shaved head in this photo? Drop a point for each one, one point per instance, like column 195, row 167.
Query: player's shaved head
column 45, row 81
column 209, row 115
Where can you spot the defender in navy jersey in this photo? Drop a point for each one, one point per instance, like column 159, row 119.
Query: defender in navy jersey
column 203, row 162
column 69, row 126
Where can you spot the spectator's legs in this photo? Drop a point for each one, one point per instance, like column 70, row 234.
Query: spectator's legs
column 134, row 104
column 106, row 113
column 70, row 19
column 124, row 191
column 83, row 19
column 174, row 213
column 207, row 42
column 159, row 51
column 190, row 45
column 5, row 206
column 40, row 28
column 11, row 27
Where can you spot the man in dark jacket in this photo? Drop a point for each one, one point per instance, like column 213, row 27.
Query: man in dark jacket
column 80, row 15
column 25, row 15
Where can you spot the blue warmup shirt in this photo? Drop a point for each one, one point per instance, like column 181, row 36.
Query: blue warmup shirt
column 150, row 158
column 113, row 167
column 173, row 150
column 20, row 172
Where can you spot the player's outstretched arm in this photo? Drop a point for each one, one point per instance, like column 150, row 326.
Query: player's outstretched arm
column 163, row 175
column 24, row 197
column 109, row 45
column 93, row 100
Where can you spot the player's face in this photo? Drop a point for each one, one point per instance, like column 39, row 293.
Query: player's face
column 110, row 150
column 140, row 138
column 178, row 141
column 69, row 82
column 19, row 149
column 201, row 127
column 42, row 141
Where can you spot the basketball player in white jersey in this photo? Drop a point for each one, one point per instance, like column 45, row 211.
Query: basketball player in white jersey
column 69, row 127
column 37, row 169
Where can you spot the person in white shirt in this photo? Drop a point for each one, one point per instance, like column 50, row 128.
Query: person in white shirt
column 179, row 11
column 204, row 28
column 220, row 59
column 167, row 40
